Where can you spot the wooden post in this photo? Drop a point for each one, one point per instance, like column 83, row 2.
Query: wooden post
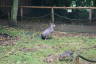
column 90, row 15
column 52, row 14
column 21, row 13
column 8, row 15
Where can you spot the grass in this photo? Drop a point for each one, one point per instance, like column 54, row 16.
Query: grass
column 12, row 54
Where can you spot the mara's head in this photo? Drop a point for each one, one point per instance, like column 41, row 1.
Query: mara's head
column 52, row 25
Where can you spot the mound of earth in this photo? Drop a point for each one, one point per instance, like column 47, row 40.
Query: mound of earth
column 64, row 34
column 6, row 39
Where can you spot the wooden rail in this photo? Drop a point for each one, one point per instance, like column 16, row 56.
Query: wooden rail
column 58, row 7
column 52, row 7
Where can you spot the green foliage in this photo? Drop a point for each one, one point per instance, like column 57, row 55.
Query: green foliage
column 69, row 3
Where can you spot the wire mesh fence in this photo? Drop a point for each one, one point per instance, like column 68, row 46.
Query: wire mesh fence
column 60, row 15
column 36, row 18
column 65, row 15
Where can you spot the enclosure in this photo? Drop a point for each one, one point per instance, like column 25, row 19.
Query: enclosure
column 75, row 31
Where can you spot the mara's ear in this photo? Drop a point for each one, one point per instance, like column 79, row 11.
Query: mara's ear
column 52, row 24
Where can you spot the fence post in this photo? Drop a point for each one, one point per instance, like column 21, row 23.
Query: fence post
column 90, row 15
column 52, row 15
column 9, row 15
column 21, row 13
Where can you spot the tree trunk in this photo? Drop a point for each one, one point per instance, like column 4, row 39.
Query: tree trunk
column 14, row 12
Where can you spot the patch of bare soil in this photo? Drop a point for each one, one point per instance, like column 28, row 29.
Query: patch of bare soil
column 35, row 48
column 51, row 58
column 28, row 49
column 42, row 46
column 6, row 39
column 64, row 34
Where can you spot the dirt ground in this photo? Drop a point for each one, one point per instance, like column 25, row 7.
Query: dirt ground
column 41, row 25
column 61, row 31
column 65, row 34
